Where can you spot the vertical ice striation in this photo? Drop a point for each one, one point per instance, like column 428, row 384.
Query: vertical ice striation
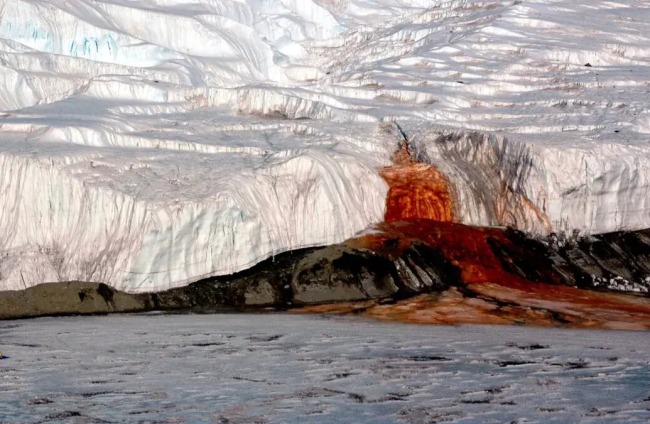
column 150, row 223
column 541, row 187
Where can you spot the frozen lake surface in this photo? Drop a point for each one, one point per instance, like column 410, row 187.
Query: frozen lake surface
column 308, row 369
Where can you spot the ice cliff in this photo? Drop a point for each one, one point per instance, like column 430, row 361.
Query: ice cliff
column 150, row 144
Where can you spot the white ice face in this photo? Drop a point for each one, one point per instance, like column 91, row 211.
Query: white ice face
column 147, row 145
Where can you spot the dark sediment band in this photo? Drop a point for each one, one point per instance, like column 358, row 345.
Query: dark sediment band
column 506, row 270
column 303, row 277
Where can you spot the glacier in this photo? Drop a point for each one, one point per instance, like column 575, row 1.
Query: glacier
column 148, row 146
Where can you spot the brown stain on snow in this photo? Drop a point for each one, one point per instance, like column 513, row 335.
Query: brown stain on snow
column 501, row 305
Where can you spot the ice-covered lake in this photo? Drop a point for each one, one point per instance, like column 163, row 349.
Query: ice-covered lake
column 309, row 369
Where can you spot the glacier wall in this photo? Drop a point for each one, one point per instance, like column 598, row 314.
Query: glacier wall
column 538, row 187
column 160, row 222
column 147, row 145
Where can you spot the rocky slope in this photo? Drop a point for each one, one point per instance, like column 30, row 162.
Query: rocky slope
column 478, row 275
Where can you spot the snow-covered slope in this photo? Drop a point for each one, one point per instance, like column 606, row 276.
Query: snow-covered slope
column 149, row 144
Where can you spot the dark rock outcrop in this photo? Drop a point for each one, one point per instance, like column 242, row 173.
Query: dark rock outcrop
column 66, row 299
column 304, row 277
column 402, row 260
column 318, row 275
column 615, row 261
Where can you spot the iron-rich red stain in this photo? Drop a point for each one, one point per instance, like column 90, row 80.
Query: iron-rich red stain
column 416, row 191
column 419, row 209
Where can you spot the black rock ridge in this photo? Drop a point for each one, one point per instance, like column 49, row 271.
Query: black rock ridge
column 342, row 273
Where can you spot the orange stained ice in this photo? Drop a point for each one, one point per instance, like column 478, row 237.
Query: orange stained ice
column 420, row 209
column 416, row 190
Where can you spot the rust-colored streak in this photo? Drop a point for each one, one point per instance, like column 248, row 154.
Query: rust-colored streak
column 501, row 305
column 419, row 209
column 574, row 306
column 464, row 246
column 498, row 304
column 489, row 294
column 417, row 191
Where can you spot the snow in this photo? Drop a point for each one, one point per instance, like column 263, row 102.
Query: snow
column 150, row 145
column 621, row 284
column 304, row 369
